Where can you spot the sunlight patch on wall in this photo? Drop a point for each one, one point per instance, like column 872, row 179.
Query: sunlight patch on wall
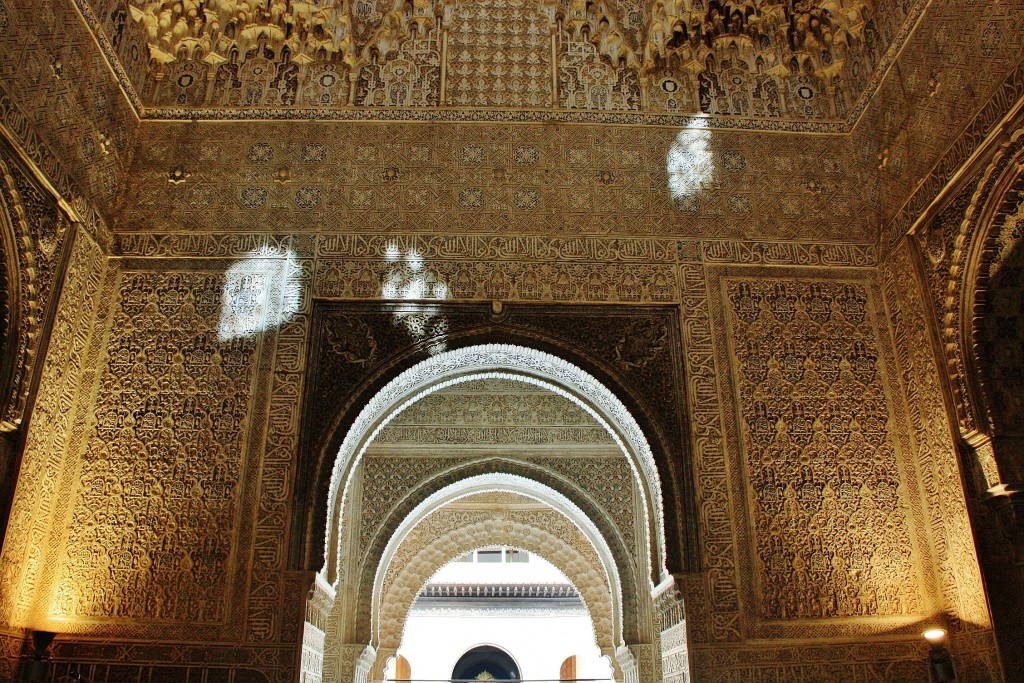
column 246, row 306
column 409, row 279
column 690, row 162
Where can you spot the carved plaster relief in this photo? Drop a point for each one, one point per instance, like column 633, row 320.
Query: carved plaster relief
column 39, row 503
column 830, row 532
column 164, row 456
column 36, row 231
column 476, row 181
column 744, row 61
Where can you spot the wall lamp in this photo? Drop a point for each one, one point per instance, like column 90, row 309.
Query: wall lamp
column 939, row 658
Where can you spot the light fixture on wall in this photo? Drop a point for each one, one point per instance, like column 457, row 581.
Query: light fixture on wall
column 939, row 658
column 38, row 666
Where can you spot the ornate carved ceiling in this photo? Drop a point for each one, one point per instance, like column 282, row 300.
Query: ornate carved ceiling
column 808, row 64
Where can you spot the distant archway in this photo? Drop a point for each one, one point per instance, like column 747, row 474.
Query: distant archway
column 626, row 560
column 591, row 567
column 486, row 663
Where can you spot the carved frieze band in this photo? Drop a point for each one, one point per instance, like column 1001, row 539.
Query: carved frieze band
column 381, row 248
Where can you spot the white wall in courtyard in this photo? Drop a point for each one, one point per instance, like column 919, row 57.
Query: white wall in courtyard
column 539, row 643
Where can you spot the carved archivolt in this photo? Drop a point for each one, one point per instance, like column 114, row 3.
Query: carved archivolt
column 960, row 248
column 430, row 552
column 9, row 300
column 991, row 324
column 562, row 519
column 34, row 230
column 500, row 361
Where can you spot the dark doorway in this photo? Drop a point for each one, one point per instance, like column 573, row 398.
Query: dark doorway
column 486, row 663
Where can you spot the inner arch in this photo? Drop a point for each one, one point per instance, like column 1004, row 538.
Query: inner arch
column 507, row 483
column 557, row 585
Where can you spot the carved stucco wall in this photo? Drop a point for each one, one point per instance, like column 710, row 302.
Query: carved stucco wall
column 60, row 103
column 489, row 179
column 63, row 399
column 958, row 247
column 715, row 614
column 145, row 526
column 709, row 605
column 712, row 599
column 53, row 270
column 540, row 213
column 959, row 75
column 827, row 500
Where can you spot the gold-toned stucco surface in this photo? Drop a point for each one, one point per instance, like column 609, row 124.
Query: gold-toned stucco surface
column 184, row 187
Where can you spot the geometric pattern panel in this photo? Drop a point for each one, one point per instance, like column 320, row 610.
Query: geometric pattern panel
column 559, row 181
